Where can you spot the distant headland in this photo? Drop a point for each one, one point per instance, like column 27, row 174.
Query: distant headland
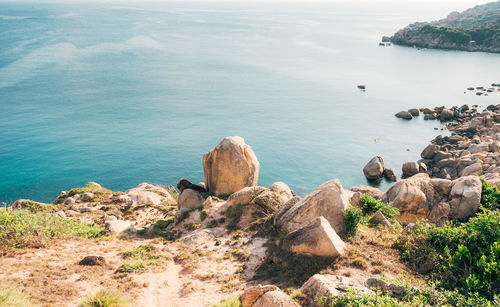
column 475, row 29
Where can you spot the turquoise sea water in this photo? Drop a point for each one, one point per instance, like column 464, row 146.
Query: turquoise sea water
column 122, row 94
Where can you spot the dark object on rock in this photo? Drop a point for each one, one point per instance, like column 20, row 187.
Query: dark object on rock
column 93, row 260
column 362, row 87
column 186, row 184
column 404, row 115
column 389, row 174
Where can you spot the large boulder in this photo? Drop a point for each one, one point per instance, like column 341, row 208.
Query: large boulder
column 420, row 197
column 283, row 190
column 447, row 114
column 189, row 199
column 410, row 168
column 473, row 169
column 328, row 200
column 374, row 169
column 430, row 151
column 230, row 166
column 465, row 196
column 245, row 196
column 284, row 208
column 317, row 238
column 331, row 286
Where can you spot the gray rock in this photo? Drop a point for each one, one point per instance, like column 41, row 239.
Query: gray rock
column 284, row 208
column 414, row 112
column 245, row 196
column 465, row 196
column 473, row 169
column 389, row 174
column 118, row 227
column 447, row 114
column 366, row 189
column 430, row 151
column 317, row 238
column 332, row 286
column 189, row 199
column 380, row 218
column 87, row 197
column 404, row 115
column 379, row 284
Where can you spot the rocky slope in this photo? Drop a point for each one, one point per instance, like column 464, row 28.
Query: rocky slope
column 202, row 243
column 476, row 29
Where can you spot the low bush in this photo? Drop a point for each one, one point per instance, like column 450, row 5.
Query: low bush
column 140, row 258
column 490, row 196
column 106, row 298
column 371, row 205
column 352, row 218
column 464, row 257
column 23, row 228
column 232, row 301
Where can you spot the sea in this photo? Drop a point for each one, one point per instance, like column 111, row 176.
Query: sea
column 124, row 93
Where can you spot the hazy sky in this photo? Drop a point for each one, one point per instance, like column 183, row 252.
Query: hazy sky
column 458, row 2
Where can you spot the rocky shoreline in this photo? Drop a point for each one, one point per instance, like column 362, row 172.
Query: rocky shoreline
column 250, row 226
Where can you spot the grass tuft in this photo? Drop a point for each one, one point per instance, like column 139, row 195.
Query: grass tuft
column 13, row 298
column 141, row 258
column 106, row 298
column 232, row 301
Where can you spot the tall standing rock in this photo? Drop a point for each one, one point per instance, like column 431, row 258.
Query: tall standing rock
column 230, row 166
column 374, row 169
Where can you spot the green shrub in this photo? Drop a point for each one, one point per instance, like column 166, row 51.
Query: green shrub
column 89, row 187
column 203, row 214
column 465, row 257
column 413, row 298
column 234, row 213
column 371, row 205
column 490, row 196
column 352, row 217
column 13, row 298
column 106, row 298
column 140, row 258
column 35, row 207
column 23, row 228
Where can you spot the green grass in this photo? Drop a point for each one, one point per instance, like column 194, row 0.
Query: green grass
column 23, row 228
column 232, row 301
column 141, row 258
column 106, row 298
column 98, row 191
column 13, row 298
column 174, row 194
column 35, row 207
column 352, row 218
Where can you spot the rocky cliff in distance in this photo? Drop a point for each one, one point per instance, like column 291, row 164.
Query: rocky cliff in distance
column 476, row 29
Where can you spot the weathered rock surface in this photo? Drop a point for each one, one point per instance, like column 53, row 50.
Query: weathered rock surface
column 275, row 298
column 328, row 200
column 284, row 208
column 404, row 115
column 332, row 285
column 379, row 284
column 252, row 294
column 148, row 194
column 465, row 196
column 118, row 226
column 93, row 260
column 410, row 168
column 380, row 218
column 374, row 169
column 245, row 196
column 189, row 199
column 318, row 239
column 366, row 189
column 230, row 166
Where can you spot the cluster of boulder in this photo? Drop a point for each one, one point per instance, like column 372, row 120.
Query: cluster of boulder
column 472, row 149
column 481, row 90
column 442, row 113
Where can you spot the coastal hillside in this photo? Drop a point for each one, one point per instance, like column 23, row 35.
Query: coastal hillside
column 476, row 29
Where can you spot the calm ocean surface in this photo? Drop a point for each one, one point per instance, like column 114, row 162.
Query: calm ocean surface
column 122, row 94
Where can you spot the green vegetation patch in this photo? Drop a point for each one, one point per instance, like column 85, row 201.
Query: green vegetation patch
column 490, row 196
column 371, row 205
column 91, row 187
column 13, row 298
column 35, row 207
column 23, row 228
column 352, row 218
column 234, row 214
column 464, row 257
column 413, row 298
column 141, row 258
column 106, row 298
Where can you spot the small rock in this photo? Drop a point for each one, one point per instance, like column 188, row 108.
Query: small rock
column 118, row 226
column 410, row 169
column 389, row 174
column 189, row 199
column 414, row 112
column 404, row 115
column 374, row 169
column 69, row 200
column 87, row 197
column 93, row 260
column 380, row 218
column 252, row 294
